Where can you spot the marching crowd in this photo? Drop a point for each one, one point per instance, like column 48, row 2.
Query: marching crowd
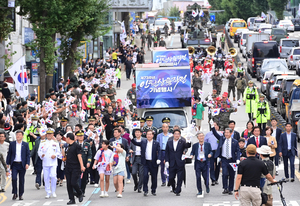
column 54, row 134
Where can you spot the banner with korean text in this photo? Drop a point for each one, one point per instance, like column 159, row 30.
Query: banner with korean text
column 177, row 57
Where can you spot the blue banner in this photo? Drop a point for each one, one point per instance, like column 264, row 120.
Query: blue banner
column 177, row 57
column 163, row 88
column 28, row 35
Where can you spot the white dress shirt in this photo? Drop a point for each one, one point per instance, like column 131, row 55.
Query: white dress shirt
column 274, row 132
column 289, row 140
column 148, row 154
column 224, row 147
column 138, row 148
column 18, row 152
column 175, row 143
column 49, row 148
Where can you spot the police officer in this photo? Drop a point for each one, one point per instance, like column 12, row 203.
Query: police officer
column 86, row 154
column 49, row 151
column 63, row 125
column 142, row 124
column 250, row 99
column 149, row 123
column 262, row 113
column 166, row 120
column 240, row 70
column 121, row 122
column 29, row 135
column 217, row 81
column 222, row 40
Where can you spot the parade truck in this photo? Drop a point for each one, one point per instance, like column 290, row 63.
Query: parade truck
column 163, row 89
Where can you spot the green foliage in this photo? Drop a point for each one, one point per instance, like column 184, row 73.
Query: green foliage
column 278, row 6
column 215, row 4
column 5, row 23
column 7, row 57
column 174, row 11
column 162, row 13
column 259, row 6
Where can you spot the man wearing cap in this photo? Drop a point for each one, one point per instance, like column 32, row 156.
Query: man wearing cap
column 240, row 84
column 166, row 120
column 162, row 138
column 111, row 92
column 247, row 183
column 29, row 135
column 49, row 151
column 262, row 113
column 229, row 152
column 120, row 109
column 149, row 122
column 74, row 117
column 131, row 94
column 63, row 125
column 231, row 80
column 250, row 99
column 86, row 154
column 265, row 152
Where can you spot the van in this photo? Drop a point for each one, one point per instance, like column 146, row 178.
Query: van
column 237, row 24
column 242, row 42
column 228, row 24
column 261, row 50
column 160, row 23
column 250, row 23
column 286, row 46
column 257, row 22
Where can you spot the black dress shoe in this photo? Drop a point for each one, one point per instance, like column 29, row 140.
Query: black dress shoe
column 177, row 194
column 135, row 189
column 145, row 194
column 230, row 193
column 21, row 198
column 2, row 190
column 216, row 182
column 139, row 191
column 71, row 202
column 153, row 193
column 80, row 198
column 213, row 183
column 225, row 191
column 292, row 180
column 163, row 184
column 15, row 197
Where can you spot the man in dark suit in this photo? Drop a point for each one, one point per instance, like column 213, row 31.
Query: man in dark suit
column 235, row 134
column 137, row 167
column 150, row 156
column 174, row 151
column 256, row 139
column 96, row 144
column 18, row 158
column 276, row 133
column 288, row 150
column 202, row 152
column 229, row 152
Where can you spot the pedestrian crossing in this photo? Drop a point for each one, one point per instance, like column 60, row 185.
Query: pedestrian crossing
column 236, row 203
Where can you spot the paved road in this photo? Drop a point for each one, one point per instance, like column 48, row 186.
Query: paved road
column 35, row 197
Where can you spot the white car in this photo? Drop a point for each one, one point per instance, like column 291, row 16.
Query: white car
column 263, row 27
column 286, row 24
column 160, row 23
column 293, row 57
column 257, row 22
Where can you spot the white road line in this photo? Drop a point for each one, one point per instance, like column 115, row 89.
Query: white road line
column 294, row 203
column 47, row 203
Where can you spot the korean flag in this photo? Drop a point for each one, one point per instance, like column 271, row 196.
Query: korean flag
column 136, row 125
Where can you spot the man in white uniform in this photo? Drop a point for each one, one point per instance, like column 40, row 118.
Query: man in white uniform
column 49, row 151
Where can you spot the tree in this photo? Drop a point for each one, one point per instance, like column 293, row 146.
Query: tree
column 241, row 8
column 278, row 6
column 215, row 4
column 5, row 23
column 259, row 6
column 174, row 11
column 92, row 23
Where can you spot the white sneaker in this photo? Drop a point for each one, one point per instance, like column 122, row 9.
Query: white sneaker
column 106, row 194
column 54, row 194
column 128, row 181
column 119, row 196
column 96, row 185
column 102, row 194
column 47, row 196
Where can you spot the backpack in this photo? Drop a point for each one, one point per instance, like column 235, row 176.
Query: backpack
column 239, row 84
column 270, row 166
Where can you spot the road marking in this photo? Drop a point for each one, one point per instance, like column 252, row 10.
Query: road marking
column 294, row 203
column 171, row 41
column 47, row 203
column 87, row 203
column 3, row 197
column 96, row 190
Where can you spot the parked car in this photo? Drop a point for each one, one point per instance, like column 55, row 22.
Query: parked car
column 283, row 92
column 237, row 35
column 257, row 22
column 286, row 24
column 296, row 23
column 277, row 34
column 250, row 22
column 293, row 57
column 260, row 51
column 274, row 80
column 286, row 45
column 273, row 65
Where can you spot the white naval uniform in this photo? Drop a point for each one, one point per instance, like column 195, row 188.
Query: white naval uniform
column 49, row 148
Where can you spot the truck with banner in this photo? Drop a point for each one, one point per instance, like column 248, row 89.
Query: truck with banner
column 164, row 90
